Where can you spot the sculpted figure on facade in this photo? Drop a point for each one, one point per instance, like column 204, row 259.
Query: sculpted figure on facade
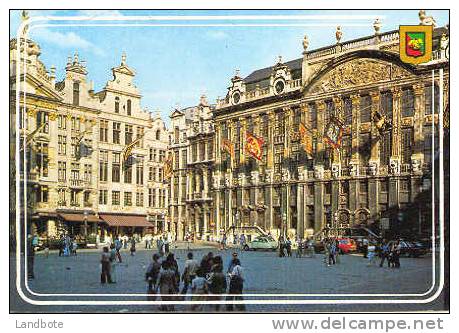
column 285, row 175
column 394, row 166
column 319, row 171
column 255, row 176
column 373, row 168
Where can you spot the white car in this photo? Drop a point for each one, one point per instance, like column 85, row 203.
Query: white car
column 261, row 243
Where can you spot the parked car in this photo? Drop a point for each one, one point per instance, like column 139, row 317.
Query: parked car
column 346, row 245
column 412, row 249
column 261, row 243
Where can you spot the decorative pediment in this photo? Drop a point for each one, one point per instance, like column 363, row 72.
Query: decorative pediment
column 357, row 72
column 125, row 70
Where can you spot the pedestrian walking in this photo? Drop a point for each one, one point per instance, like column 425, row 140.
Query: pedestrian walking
column 332, row 252
column 132, row 246
column 371, row 255
column 174, row 266
column 152, row 273
column 105, row 266
column 232, row 263
column 113, row 263
column 118, row 246
column 166, row 285
column 189, row 272
column 384, row 253
column 288, row 246
column 217, row 281
column 74, row 247
column 365, row 247
column 207, row 262
column 198, row 287
column 236, row 287
column 281, row 247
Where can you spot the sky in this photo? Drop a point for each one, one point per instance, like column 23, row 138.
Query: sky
column 175, row 65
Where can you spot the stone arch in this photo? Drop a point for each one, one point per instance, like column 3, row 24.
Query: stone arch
column 356, row 68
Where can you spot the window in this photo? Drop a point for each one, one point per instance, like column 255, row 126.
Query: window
column 116, row 132
column 116, row 168
column 407, row 145
column 151, row 197
column 384, row 185
column 128, row 198
column 86, row 196
column 161, row 176
column 103, row 197
column 139, row 136
column 407, row 102
column 88, row 173
column 158, row 135
column 62, row 122
column 364, row 148
column 42, row 159
column 42, row 193
column 151, row 173
column 385, row 148
column 103, row 166
column 73, row 146
column 404, row 185
column 386, row 104
column 139, row 199
column 62, row 144
column 62, row 171
column 74, row 198
column 328, row 188
column 76, row 93
column 312, row 108
column 363, row 187
column 162, row 155
column 43, row 119
column 428, row 143
column 115, row 198
column 75, row 124
column 176, row 135
column 128, row 173
column 184, row 162
column 117, row 104
column 128, row 134
column 103, row 131
column 61, row 201
column 139, row 172
column 150, row 154
column 128, row 107
column 365, row 108
column 346, row 150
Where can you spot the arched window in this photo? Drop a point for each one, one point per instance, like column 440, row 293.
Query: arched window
column 76, row 93
column 117, row 104
column 129, row 107
column 158, row 134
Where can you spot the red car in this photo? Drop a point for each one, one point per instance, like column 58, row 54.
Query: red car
column 346, row 245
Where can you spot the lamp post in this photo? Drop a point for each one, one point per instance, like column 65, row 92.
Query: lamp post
column 284, row 224
column 85, row 213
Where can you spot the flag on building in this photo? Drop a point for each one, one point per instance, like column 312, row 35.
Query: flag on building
column 127, row 151
column 254, row 146
column 334, row 133
column 168, row 167
column 381, row 123
column 228, row 146
column 306, row 139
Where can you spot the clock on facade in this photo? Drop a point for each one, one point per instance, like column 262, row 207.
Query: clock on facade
column 279, row 86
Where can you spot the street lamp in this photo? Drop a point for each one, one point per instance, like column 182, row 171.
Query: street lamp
column 85, row 213
column 284, row 224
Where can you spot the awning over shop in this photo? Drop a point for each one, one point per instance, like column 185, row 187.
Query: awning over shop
column 75, row 217
column 121, row 220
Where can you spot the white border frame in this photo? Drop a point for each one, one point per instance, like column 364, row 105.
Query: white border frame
column 283, row 301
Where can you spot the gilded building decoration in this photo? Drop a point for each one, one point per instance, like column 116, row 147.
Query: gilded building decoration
column 358, row 72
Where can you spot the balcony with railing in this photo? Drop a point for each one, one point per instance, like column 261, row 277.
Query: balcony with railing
column 76, row 183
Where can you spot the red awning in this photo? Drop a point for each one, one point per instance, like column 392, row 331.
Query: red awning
column 75, row 217
column 119, row 220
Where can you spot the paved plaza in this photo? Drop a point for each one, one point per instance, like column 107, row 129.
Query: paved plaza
column 265, row 273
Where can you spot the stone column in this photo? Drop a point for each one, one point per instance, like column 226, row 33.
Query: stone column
column 319, row 161
column 338, row 102
column 318, row 207
column 396, row 113
column 205, row 190
column 374, row 158
column 355, row 130
column 301, row 205
column 270, row 143
column 205, row 219
column 419, row 111
column 243, row 131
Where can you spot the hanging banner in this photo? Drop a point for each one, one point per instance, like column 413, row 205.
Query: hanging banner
column 254, row 146
column 334, row 133
column 168, row 167
column 306, row 139
column 228, row 146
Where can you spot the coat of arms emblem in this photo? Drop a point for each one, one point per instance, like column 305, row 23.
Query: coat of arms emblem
column 415, row 43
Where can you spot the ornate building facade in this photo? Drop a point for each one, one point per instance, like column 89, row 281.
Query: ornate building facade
column 371, row 177
column 192, row 147
column 77, row 181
